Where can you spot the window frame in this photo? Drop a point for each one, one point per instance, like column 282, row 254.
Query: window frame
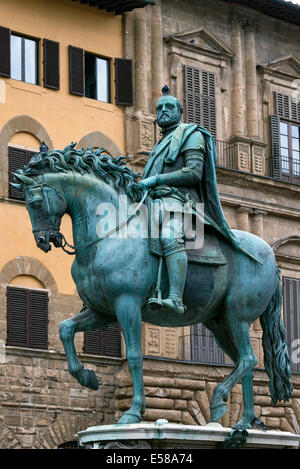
column 108, row 77
column 37, row 56
column 290, row 176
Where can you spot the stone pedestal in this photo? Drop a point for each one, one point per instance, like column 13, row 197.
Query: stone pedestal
column 163, row 435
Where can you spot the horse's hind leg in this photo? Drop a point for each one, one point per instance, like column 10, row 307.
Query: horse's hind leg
column 245, row 362
column 128, row 312
column 86, row 320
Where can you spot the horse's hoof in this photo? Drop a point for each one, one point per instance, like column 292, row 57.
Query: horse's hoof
column 217, row 412
column 129, row 418
column 242, row 425
column 88, row 379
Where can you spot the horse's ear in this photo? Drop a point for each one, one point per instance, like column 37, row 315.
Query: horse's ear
column 25, row 179
column 17, row 186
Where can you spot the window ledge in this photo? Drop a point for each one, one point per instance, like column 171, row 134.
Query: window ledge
column 48, row 354
column 29, row 87
column 94, row 103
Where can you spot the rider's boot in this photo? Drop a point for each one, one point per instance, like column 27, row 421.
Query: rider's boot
column 177, row 268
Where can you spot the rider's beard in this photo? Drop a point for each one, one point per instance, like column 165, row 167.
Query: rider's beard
column 166, row 121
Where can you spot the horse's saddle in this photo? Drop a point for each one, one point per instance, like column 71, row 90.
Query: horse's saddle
column 209, row 253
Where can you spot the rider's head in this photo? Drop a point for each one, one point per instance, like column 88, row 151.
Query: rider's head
column 168, row 109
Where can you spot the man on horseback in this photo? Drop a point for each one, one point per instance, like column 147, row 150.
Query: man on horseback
column 181, row 166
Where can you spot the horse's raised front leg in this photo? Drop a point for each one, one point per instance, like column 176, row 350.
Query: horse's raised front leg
column 245, row 362
column 128, row 312
column 86, row 320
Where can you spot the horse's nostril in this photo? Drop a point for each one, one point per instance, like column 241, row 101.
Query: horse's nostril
column 41, row 239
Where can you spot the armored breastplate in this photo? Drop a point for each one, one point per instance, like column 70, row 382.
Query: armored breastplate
column 177, row 165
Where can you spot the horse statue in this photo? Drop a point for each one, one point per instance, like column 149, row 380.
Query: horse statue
column 115, row 276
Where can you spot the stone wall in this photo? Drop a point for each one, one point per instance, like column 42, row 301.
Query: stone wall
column 43, row 406
column 181, row 393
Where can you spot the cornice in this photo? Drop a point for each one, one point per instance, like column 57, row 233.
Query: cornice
column 187, row 41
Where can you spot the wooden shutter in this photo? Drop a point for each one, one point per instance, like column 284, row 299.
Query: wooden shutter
column 51, row 64
column 200, row 98
column 124, row 82
column 286, row 107
column 76, row 74
column 38, row 319
column 17, row 159
column 275, row 139
column 4, row 52
column 291, row 311
column 204, row 347
column 16, row 317
column 27, row 318
column 106, row 342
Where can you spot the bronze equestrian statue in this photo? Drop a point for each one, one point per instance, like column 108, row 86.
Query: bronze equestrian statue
column 226, row 284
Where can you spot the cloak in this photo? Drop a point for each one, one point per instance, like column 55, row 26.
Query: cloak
column 167, row 151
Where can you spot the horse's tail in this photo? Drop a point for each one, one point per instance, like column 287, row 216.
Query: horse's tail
column 276, row 358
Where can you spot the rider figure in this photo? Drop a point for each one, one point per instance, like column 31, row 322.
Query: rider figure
column 176, row 161
column 181, row 166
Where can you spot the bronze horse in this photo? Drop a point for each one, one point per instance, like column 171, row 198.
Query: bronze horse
column 115, row 276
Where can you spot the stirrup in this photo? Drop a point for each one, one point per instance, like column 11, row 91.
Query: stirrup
column 173, row 305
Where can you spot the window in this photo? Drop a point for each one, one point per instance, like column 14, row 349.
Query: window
column 290, row 151
column 291, row 308
column 27, row 318
column 200, row 98
column 204, row 347
column 23, row 59
column 17, row 159
column 285, row 138
column 97, row 78
column 107, row 342
column 89, row 76
column 19, row 59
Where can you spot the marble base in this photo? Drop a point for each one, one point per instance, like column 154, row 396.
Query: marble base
column 164, row 435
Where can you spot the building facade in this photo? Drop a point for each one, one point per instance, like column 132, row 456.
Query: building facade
column 236, row 68
column 93, row 75
column 61, row 81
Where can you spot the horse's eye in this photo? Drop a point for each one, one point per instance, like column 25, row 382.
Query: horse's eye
column 37, row 203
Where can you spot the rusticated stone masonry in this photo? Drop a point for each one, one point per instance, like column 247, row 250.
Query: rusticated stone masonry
column 181, row 393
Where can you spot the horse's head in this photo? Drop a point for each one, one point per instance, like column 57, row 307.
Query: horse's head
column 46, row 205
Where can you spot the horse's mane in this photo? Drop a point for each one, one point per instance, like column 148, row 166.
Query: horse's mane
column 83, row 161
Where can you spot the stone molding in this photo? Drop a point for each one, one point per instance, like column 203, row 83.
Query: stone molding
column 282, row 241
column 287, row 67
column 28, row 266
column 200, row 42
column 99, row 139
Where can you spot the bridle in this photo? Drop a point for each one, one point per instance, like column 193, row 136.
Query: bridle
column 43, row 185
column 49, row 227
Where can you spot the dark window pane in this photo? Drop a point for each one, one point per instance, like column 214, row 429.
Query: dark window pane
column 90, row 76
